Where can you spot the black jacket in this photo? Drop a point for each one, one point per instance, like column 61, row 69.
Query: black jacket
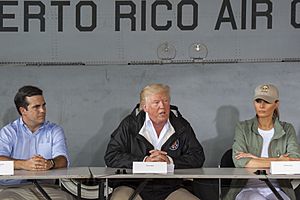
column 126, row 146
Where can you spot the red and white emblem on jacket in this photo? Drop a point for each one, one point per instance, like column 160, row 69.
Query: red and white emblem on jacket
column 175, row 145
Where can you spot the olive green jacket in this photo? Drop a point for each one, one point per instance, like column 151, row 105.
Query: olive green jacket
column 247, row 139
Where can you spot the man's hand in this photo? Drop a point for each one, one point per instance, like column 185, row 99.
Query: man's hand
column 157, row 156
column 37, row 163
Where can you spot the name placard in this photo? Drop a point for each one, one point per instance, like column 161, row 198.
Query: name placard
column 6, row 167
column 149, row 167
column 285, row 167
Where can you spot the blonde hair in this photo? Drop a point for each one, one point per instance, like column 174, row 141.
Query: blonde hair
column 153, row 89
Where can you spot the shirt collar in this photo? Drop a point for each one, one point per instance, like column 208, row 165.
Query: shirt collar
column 25, row 126
column 149, row 122
column 278, row 129
column 149, row 133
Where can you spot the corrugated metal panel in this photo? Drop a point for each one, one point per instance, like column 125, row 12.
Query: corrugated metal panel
column 88, row 33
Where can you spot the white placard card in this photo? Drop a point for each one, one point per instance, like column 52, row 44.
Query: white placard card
column 285, row 167
column 149, row 167
column 6, row 167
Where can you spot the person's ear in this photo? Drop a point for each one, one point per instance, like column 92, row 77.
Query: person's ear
column 22, row 110
column 145, row 107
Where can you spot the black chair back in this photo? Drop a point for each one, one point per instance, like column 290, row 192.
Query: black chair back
column 226, row 162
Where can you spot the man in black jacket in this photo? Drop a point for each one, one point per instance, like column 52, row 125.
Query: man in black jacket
column 155, row 131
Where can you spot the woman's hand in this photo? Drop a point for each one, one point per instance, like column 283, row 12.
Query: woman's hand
column 285, row 157
column 240, row 155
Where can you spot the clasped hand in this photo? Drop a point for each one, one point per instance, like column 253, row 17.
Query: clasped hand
column 37, row 163
column 157, row 156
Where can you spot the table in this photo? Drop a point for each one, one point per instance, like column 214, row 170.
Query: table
column 68, row 173
column 72, row 172
column 106, row 173
column 196, row 173
column 199, row 173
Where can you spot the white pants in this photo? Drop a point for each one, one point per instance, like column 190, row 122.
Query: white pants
column 253, row 194
column 30, row 192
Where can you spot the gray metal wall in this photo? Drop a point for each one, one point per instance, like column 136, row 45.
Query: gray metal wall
column 93, row 57
column 90, row 101
column 88, row 32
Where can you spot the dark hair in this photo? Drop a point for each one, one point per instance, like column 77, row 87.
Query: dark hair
column 23, row 92
column 276, row 114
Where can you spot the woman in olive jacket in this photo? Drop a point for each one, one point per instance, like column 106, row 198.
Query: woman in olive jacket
column 259, row 141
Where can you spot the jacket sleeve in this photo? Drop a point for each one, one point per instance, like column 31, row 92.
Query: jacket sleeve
column 293, row 148
column 239, row 145
column 118, row 152
column 192, row 155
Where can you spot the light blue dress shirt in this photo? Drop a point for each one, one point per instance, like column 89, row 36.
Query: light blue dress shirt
column 18, row 142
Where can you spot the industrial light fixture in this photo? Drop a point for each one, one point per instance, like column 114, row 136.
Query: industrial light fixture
column 166, row 51
column 198, row 51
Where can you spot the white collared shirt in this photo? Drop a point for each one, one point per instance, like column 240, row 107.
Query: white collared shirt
column 148, row 131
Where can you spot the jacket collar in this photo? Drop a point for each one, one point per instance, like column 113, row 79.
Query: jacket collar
column 136, row 111
column 174, row 118
column 278, row 129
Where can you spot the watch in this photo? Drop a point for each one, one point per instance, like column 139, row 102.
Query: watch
column 52, row 163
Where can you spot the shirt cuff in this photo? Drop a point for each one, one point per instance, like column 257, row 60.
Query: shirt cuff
column 144, row 160
column 170, row 159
